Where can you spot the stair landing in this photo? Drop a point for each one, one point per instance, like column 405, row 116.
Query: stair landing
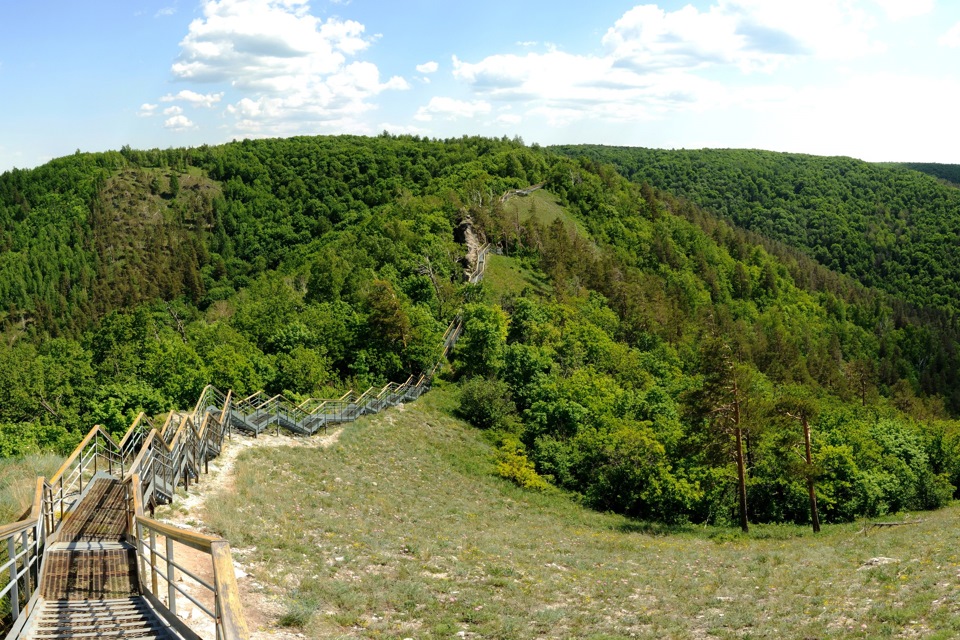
column 100, row 517
column 90, row 586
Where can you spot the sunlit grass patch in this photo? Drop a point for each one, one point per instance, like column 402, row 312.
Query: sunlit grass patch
column 542, row 206
column 402, row 530
column 506, row 276
column 18, row 482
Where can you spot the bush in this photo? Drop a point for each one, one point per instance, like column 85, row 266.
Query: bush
column 512, row 464
column 24, row 438
column 300, row 610
column 487, row 404
column 935, row 490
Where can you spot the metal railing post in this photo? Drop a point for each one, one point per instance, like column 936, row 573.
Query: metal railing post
column 25, row 541
column 171, row 590
column 153, row 563
column 14, row 582
column 141, row 552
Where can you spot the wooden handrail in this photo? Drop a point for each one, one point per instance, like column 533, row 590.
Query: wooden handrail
column 233, row 624
column 97, row 429
column 144, row 451
column 133, row 427
column 203, row 394
column 169, row 421
column 136, row 489
column 192, row 539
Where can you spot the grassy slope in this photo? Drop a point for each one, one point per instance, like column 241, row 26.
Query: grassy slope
column 400, row 530
column 505, row 276
column 18, row 482
column 543, row 206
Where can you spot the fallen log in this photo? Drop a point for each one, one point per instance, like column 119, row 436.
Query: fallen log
column 895, row 524
column 870, row 525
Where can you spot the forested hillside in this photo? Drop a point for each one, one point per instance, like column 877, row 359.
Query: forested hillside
column 948, row 172
column 626, row 346
column 888, row 226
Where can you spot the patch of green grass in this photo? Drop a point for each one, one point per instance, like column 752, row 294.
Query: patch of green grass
column 544, row 207
column 18, row 482
column 402, row 530
column 505, row 277
column 299, row 612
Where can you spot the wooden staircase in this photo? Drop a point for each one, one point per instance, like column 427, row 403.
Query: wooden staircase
column 90, row 587
column 69, row 565
column 108, row 618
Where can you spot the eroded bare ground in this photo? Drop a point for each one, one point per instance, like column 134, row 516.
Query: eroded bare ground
column 189, row 511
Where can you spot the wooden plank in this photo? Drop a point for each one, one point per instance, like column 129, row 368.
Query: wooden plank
column 76, row 452
column 233, row 625
column 16, row 527
column 192, row 539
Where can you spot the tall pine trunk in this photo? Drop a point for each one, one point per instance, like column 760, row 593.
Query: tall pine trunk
column 814, row 514
column 742, row 480
column 741, row 465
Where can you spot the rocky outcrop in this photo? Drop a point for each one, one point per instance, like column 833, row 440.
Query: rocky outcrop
column 466, row 235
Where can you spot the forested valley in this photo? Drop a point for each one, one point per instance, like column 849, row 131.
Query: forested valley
column 656, row 343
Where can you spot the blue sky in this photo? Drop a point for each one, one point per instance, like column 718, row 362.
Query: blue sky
column 873, row 79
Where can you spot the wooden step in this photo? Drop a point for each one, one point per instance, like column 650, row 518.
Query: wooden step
column 78, row 574
column 90, row 619
column 100, row 516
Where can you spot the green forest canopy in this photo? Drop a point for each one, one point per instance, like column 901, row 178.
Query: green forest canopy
column 131, row 279
column 888, row 226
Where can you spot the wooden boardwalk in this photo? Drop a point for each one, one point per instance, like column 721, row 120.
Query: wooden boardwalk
column 71, row 568
column 100, row 517
column 90, row 587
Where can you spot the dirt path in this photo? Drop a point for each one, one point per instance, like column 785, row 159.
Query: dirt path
column 189, row 511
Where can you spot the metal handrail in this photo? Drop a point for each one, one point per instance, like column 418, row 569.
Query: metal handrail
column 156, row 461
column 22, row 543
column 227, row 614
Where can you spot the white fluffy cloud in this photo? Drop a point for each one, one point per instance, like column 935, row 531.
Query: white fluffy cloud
column 655, row 61
column 452, row 109
column 951, row 38
column 563, row 88
column 192, row 97
column 147, row 110
column 290, row 70
column 751, row 34
column 428, row 67
column 173, row 111
column 178, row 123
